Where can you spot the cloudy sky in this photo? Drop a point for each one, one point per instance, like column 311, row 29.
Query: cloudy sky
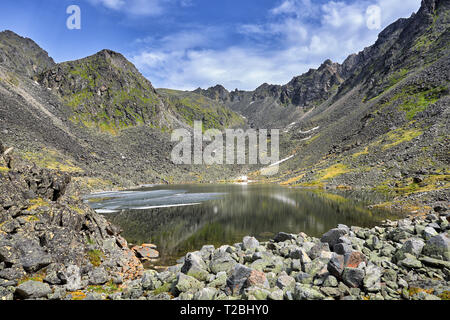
column 185, row 44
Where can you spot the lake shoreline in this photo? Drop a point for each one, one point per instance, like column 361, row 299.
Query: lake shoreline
column 399, row 260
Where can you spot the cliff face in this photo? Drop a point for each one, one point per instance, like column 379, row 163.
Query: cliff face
column 22, row 55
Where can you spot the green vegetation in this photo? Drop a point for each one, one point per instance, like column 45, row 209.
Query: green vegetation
column 51, row 159
column 95, row 257
column 327, row 174
column 415, row 103
column 399, row 136
column 194, row 107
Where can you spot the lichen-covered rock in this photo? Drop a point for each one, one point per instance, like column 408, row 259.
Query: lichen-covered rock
column 33, row 290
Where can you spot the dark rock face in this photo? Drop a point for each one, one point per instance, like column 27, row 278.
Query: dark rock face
column 22, row 55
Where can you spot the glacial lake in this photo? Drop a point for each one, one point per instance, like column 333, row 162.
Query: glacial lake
column 183, row 218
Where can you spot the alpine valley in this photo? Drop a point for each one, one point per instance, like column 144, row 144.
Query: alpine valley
column 377, row 123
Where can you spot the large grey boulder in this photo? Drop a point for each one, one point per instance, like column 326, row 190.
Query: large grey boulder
column 332, row 236
column 187, row 283
column 222, row 261
column 195, row 266
column 438, row 247
column 249, row 243
column 33, row 290
column 372, row 279
column 98, row 276
column 353, row 277
column 72, row 277
column 238, row 280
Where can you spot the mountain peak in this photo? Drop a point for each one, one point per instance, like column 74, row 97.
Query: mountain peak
column 22, row 55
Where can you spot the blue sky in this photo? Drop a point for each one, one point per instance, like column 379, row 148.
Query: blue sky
column 185, row 44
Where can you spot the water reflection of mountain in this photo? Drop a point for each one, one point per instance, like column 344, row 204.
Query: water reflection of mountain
column 261, row 211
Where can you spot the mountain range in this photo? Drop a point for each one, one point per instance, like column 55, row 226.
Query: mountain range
column 378, row 121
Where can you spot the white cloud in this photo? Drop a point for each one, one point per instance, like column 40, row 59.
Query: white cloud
column 296, row 36
column 138, row 7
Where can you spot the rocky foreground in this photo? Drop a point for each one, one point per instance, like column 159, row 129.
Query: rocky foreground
column 54, row 247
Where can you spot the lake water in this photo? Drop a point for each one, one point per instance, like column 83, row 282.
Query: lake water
column 183, row 218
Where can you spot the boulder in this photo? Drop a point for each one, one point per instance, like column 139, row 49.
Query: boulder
column 438, row 247
column 353, row 277
column 195, row 266
column 305, row 292
column 372, row 279
column 257, row 279
column 336, row 266
column 285, row 282
column 33, row 290
column 249, row 243
column 282, row 237
column 187, row 283
column 98, row 276
column 332, row 236
column 237, row 282
column 72, row 277
column 221, row 261
column 429, row 232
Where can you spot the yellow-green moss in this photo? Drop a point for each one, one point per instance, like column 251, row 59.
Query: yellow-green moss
column 95, row 257
column 399, row 136
column 51, row 159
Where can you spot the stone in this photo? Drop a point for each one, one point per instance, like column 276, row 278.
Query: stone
column 13, row 273
column 299, row 253
column 276, row 295
column 72, row 277
column 354, row 259
column 413, row 246
column 372, row 279
column 205, row 294
column 98, row 276
column 31, row 255
column 332, row 236
column 195, row 266
column 410, row 261
column 316, row 267
column 282, row 237
column 33, row 290
column 317, row 249
column 438, row 247
column 285, row 282
column 331, row 281
column 303, row 278
column 249, row 243
column 336, row 266
column 342, row 248
column 257, row 279
column 145, row 252
column 222, row 261
column 429, row 233
column 187, row 283
column 219, row 281
column 353, row 277
column 238, row 280
column 435, row 262
column 330, row 292
column 256, row 293
column 305, row 292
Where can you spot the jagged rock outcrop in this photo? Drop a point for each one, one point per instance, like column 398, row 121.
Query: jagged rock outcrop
column 46, row 232
column 22, row 55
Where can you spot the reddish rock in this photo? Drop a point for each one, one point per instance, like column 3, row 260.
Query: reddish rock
column 353, row 259
column 257, row 279
column 145, row 253
column 149, row 245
